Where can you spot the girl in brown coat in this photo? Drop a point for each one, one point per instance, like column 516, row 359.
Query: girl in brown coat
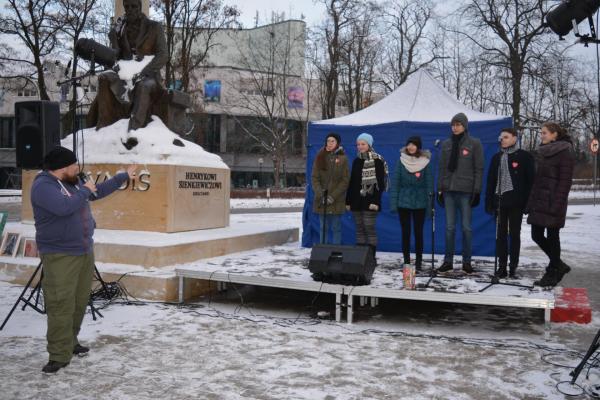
column 330, row 176
column 547, row 203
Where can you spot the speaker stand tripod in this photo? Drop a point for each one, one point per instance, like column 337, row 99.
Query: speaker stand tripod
column 34, row 298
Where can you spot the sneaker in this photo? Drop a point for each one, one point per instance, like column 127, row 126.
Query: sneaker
column 445, row 267
column 80, row 350
column 467, row 268
column 501, row 273
column 53, row 366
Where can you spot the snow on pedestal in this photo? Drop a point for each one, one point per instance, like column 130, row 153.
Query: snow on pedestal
column 178, row 186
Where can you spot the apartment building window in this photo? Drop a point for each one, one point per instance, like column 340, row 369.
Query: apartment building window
column 7, row 126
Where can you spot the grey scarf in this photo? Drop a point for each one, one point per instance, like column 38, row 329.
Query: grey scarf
column 504, row 182
column 369, row 176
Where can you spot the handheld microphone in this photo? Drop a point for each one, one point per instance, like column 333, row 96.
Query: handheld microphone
column 84, row 179
column 437, row 143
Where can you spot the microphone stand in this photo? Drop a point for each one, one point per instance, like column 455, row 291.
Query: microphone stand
column 324, row 201
column 495, row 280
column 324, row 226
column 433, row 273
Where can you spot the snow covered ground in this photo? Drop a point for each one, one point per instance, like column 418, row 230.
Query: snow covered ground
column 270, row 348
column 264, row 203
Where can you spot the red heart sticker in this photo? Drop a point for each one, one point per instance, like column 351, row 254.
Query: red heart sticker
column 515, row 164
column 418, row 174
column 465, row 152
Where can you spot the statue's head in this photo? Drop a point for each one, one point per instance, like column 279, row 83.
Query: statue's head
column 133, row 9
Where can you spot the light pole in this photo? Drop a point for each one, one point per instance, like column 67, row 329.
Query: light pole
column 260, row 164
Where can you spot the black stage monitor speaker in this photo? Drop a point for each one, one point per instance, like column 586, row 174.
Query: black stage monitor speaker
column 346, row 265
column 37, row 125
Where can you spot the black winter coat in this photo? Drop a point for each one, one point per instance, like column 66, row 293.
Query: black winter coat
column 353, row 197
column 521, row 166
column 547, row 204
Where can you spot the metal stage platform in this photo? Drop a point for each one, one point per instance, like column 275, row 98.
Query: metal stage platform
column 287, row 267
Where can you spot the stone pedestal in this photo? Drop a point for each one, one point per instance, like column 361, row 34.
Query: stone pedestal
column 161, row 198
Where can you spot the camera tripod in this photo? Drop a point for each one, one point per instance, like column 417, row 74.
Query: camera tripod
column 34, row 298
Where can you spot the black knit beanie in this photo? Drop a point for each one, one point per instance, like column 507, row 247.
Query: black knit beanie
column 58, row 158
column 462, row 119
column 416, row 140
column 337, row 138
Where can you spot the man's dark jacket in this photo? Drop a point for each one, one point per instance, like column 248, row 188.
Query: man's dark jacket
column 521, row 166
column 467, row 177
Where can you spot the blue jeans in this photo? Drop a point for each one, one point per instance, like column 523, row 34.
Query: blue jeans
column 461, row 202
column 334, row 223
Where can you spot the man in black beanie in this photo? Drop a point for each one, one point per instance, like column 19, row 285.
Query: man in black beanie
column 64, row 229
column 459, row 187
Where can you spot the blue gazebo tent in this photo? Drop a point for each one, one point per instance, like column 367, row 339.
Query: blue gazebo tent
column 421, row 106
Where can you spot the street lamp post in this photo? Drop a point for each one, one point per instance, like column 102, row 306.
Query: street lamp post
column 260, row 164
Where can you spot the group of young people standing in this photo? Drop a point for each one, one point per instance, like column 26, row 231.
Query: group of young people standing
column 517, row 184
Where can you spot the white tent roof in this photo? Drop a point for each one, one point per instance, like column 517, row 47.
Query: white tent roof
column 420, row 99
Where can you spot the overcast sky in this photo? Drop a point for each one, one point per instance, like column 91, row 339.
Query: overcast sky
column 294, row 9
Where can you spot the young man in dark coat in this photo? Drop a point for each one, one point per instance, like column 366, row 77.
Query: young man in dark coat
column 509, row 182
column 459, row 187
column 549, row 196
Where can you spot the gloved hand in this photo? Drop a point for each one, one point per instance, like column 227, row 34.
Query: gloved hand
column 475, row 198
column 440, row 199
column 373, row 207
column 329, row 200
column 489, row 208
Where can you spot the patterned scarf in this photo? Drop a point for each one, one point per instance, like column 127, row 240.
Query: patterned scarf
column 369, row 176
column 504, row 183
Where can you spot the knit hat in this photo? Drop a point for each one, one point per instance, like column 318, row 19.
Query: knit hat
column 416, row 140
column 58, row 158
column 365, row 137
column 337, row 137
column 462, row 119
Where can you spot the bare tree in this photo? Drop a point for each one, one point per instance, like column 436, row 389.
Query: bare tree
column 340, row 14
column 405, row 24
column 72, row 18
column 190, row 29
column 510, row 31
column 272, row 65
column 358, row 57
column 31, row 21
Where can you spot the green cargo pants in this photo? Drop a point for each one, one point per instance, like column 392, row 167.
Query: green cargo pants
column 67, row 283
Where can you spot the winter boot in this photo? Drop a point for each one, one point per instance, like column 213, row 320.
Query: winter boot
column 80, row 350
column 53, row 366
column 418, row 263
column 512, row 272
column 549, row 278
column 374, row 251
column 501, row 272
column 562, row 270
column 445, row 267
column 467, row 268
